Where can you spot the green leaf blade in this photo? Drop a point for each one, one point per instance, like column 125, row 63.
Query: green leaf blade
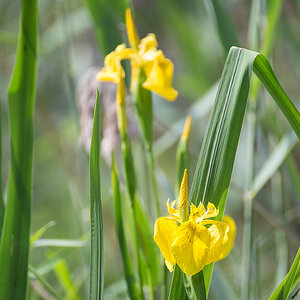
column 14, row 246
column 97, row 248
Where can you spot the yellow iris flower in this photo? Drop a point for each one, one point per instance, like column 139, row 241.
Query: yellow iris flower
column 192, row 239
column 143, row 55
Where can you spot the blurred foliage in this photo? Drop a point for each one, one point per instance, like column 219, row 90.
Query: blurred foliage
column 187, row 32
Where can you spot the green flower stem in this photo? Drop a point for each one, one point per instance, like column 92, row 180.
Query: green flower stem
column 153, row 179
column 131, row 187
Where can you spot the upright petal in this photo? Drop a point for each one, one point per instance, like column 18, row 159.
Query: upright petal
column 164, row 235
column 197, row 212
column 131, row 30
column 183, row 202
column 148, row 43
column 173, row 211
column 191, row 247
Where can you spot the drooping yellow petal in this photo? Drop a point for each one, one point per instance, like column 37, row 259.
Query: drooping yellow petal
column 164, row 236
column 218, row 231
column 191, row 247
column 133, row 37
column 187, row 128
column 159, row 79
column 229, row 237
column 183, row 203
column 112, row 70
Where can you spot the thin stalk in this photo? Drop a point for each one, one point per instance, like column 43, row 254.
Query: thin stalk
column 45, row 283
column 164, row 291
column 138, row 253
column 135, row 223
column 273, row 17
column 153, row 179
column 248, row 201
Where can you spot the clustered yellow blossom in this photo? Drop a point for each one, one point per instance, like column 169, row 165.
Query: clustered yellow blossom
column 192, row 239
column 143, row 55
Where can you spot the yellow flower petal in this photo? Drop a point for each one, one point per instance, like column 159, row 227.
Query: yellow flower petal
column 197, row 212
column 169, row 266
column 131, row 30
column 113, row 70
column 172, row 210
column 211, row 211
column 229, row 237
column 159, row 79
column 164, row 235
column 148, row 43
column 191, row 247
column 183, row 203
column 218, row 231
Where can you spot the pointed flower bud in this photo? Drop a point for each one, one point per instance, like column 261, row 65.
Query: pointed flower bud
column 133, row 37
column 187, row 128
column 183, row 203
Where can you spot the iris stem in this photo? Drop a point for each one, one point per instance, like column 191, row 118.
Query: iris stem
column 153, row 179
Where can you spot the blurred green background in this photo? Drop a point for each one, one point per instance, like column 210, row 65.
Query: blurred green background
column 187, row 32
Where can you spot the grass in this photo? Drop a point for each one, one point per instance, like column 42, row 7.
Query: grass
column 245, row 131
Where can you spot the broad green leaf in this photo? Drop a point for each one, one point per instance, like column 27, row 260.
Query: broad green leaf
column 216, row 159
column 177, row 290
column 97, row 255
column 128, row 270
column 21, row 94
column 289, row 281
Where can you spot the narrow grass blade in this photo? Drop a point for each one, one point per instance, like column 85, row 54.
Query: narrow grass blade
column 62, row 272
column 40, row 232
column 2, row 207
column 21, row 94
column 273, row 162
column 287, row 284
column 264, row 72
column 128, row 270
column 221, row 287
column 216, row 159
column 59, row 243
column 106, row 16
column 253, row 28
column 46, row 285
column 199, row 110
column 50, row 262
column 227, row 32
column 97, row 262
column 147, row 244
